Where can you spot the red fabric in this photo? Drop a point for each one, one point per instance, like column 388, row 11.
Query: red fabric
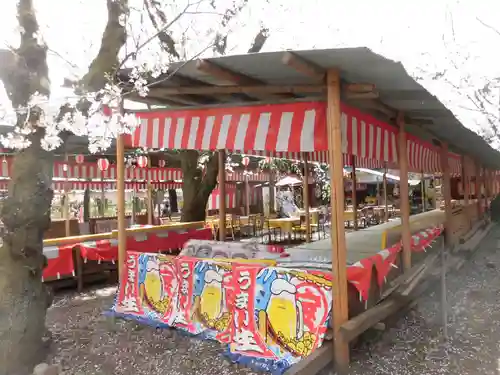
column 143, row 243
column 360, row 274
column 424, row 239
column 384, row 261
column 275, row 249
column 167, row 241
column 102, row 250
column 63, row 265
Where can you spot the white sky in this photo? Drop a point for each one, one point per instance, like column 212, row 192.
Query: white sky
column 412, row 32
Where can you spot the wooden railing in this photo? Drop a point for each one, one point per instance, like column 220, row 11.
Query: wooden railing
column 129, row 231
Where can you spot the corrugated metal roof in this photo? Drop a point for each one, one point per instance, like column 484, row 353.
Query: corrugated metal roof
column 396, row 88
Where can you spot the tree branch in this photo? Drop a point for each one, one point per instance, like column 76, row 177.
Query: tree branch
column 259, row 40
column 488, row 26
column 113, row 39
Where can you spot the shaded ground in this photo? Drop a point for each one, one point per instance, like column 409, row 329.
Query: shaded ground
column 415, row 346
column 85, row 342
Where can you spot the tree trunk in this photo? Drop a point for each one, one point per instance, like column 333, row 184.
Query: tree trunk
column 197, row 184
column 23, row 297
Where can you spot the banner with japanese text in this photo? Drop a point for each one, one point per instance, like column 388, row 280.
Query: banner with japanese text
column 270, row 317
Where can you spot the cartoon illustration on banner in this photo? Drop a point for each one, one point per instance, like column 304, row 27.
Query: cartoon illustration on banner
column 291, row 313
column 213, row 297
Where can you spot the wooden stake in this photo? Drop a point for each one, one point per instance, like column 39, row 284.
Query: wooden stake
column 446, row 189
column 222, row 194
column 354, row 198
column 120, row 195
column 404, row 193
column 340, row 313
column 305, row 198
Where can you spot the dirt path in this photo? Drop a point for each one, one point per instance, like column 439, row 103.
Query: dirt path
column 414, row 345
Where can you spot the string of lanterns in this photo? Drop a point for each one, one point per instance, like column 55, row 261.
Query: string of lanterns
column 140, row 161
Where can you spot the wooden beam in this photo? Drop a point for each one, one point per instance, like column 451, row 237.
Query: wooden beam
column 404, row 193
column 361, row 95
column 313, row 363
column 239, row 89
column 340, row 310
column 358, row 87
column 303, row 66
column 359, row 324
column 225, row 74
column 231, row 77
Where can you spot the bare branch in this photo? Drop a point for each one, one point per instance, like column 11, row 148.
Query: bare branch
column 488, row 26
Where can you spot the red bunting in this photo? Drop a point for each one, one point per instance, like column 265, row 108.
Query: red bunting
column 360, row 274
column 62, row 265
column 102, row 250
column 384, row 261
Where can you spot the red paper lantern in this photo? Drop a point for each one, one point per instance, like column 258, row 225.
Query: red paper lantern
column 245, row 161
column 79, row 159
column 142, row 161
column 103, row 164
column 162, row 163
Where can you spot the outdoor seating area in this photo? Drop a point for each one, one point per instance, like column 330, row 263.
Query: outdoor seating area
column 272, row 269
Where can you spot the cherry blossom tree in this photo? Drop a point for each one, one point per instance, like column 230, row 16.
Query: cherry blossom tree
column 466, row 90
column 41, row 124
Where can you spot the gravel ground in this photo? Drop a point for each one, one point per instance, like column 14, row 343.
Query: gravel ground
column 85, row 343
column 415, row 345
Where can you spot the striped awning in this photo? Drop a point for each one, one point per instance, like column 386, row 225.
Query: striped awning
column 215, row 198
column 292, row 128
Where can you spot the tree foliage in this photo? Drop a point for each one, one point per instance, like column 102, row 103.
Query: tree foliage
column 41, row 122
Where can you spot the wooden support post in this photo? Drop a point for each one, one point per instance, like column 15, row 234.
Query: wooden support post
column 386, row 209
column 102, row 208
column 466, row 190
column 150, row 205
column 247, row 196
column 478, row 189
column 120, row 196
column 67, row 227
column 340, row 312
column 353, row 193
column 222, row 194
column 485, row 189
column 422, row 184
column 446, row 190
column 272, row 209
column 404, row 193
column 305, row 198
